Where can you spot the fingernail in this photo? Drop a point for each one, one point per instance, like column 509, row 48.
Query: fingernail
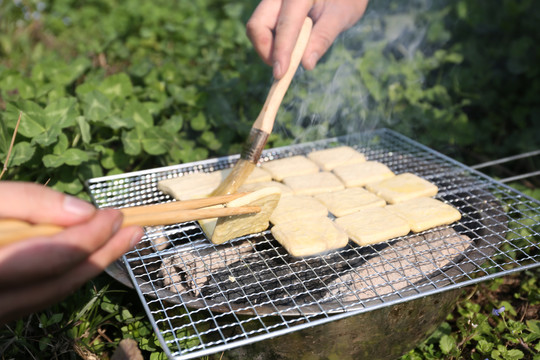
column 117, row 224
column 312, row 60
column 78, row 206
column 277, row 69
column 136, row 238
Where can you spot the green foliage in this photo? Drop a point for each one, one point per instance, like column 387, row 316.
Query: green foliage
column 523, row 227
column 154, row 84
column 92, row 321
column 461, row 77
column 491, row 323
column 168, row 83
column 482, row 329
column 389, row 71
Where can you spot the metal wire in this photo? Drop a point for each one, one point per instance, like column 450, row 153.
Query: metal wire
column 203, row 298
column 506, row 159
column 509, row 179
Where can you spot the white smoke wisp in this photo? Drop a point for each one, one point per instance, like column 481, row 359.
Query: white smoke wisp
column 348, row 90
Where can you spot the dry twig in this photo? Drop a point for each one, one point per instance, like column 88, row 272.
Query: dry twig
column 11, row 146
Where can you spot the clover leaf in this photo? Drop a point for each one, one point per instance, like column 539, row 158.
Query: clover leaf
column 155, row 141
column 33, row 119
column 71, row 157
column 21, row 153
column 96, row 106
column 116, row 86
column 131, row 140
column 84, row 128
column 62, row 112
column 139, row 114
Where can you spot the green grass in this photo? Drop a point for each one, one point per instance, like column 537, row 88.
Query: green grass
column 493, row 320
column 93, row 321
column 497, row 319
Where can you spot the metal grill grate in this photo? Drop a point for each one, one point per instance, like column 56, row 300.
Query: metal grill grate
column 204, row 298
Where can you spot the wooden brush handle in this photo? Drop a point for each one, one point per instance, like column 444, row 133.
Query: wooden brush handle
column 265, row 120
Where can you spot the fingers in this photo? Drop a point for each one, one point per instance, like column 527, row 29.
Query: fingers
column 291, row 17
column 38, row 204
column 273, row 28
column 330, row 19
column 39, row 258
column 26, row 299
column 275, row 24
column 327, row 26
column 260, row 28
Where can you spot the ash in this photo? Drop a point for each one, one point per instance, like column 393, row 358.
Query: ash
column 258, row 271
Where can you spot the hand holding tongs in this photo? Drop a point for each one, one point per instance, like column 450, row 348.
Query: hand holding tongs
column 12, row 230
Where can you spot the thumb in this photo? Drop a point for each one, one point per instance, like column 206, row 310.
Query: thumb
column 38, row 204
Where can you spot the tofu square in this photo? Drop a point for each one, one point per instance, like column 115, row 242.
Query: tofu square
column 373, row 225
column 285, row 190
column 257, row 175
column 202, row 184
column 309, row 236
column 297, row 207
column 191, row 186
column 328, row 159
column 360, row 174
column 230, row 227
column 313, row 184
column 291, row 166
column 425, row 213
column 347, row 201
column 402, row 187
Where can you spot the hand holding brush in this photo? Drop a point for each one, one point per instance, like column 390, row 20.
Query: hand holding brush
column 262, row 127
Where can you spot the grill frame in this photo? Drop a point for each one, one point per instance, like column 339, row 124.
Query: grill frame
column 402, row 154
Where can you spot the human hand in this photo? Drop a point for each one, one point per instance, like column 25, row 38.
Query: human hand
column 38, row 272
column 274, row 26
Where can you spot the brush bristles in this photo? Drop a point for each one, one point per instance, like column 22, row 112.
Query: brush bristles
column 254, row 145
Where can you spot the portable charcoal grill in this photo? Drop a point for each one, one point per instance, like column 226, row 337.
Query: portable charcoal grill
column 203, row 298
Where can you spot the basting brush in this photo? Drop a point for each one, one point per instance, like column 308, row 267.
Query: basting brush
column 262, row 127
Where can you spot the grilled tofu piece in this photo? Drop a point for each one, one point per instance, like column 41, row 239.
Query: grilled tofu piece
column 348, row 201
column 360, row 174
column 309, row 236
column 291, row 166
column 373, row 225
column 285, row 190
column 230, row 227
column 328, row 159
column 296, row 207
column 425, row 213
column 199, row 185
column 313, row 184
column 402, row 187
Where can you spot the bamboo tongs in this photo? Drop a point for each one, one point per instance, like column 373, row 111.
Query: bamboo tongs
column 12, row 230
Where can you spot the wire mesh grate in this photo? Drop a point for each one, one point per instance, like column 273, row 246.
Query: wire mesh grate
column 204, row 298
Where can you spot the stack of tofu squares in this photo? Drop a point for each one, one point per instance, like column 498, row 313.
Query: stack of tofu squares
column 318, row 202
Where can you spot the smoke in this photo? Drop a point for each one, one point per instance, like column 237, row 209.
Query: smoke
column 350, row 89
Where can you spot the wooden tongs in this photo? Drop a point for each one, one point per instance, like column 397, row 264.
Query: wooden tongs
column 12, row 230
